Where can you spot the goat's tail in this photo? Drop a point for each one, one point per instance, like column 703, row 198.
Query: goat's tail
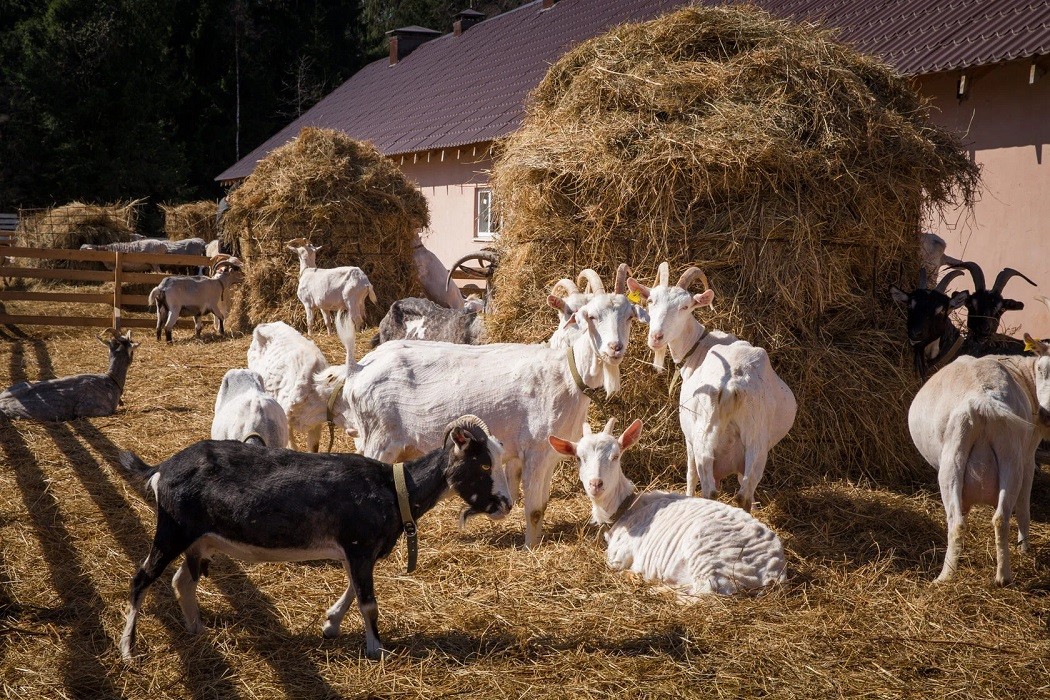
column 344, row 328
column 156, row 296
column 141, row 474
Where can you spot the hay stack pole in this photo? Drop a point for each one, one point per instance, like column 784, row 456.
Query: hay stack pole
column 792, row 169
column 341, row 194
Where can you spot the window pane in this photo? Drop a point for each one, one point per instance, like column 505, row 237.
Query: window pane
column 484, row 212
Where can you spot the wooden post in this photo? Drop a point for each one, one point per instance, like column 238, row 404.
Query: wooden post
column 117, row 265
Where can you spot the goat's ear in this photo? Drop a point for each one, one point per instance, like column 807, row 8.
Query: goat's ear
column 958, row 299
column 563, row 447
column 1036, row 346
column 899, row 296
column 704, row 299
column 636, row 286
column 1012, row 305
column 556, row 302
column 631, row 434
column 317, row 247
column 462, row 437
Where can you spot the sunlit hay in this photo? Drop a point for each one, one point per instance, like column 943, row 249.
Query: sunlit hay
column 71, row 226
column 191, row 220
column 792, row 169
column 341, row 194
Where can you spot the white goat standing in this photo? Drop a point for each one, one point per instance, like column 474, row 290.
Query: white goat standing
column 329, row 289
column 733, row 407
column 297, row 374
column 398, row 401
column 243, row 409
column 978, row 422
column 697, row 545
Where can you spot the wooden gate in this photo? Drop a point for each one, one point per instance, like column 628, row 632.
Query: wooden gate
column 115, row 300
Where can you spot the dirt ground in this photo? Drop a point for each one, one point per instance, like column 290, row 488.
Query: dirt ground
column 859, row 616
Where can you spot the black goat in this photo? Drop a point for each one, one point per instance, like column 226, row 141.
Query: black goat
column 260, row 504
column 79, row 396
column 934, row 338
column 985, row 308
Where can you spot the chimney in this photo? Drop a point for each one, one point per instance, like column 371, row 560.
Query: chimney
column 465, row 20
column 405, row 40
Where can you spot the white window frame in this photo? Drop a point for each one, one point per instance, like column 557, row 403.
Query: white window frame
column 493, row 222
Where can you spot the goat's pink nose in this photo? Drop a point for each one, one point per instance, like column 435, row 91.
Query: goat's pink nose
column 596, row 484
column 658, row 337
column 614, row 347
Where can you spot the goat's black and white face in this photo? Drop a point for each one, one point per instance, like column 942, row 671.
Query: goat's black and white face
column 476, row 472
column 984, row 311
column 928, row 311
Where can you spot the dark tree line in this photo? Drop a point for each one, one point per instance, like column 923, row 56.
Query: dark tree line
column 115, row 99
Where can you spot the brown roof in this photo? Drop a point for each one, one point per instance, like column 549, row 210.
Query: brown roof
column 458, row 90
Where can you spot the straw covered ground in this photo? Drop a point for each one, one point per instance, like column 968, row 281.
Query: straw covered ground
column 191, row 220
column 481, row 616
column 339, row 193
column 790, row 168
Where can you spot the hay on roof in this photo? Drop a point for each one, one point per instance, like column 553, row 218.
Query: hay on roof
column 343, row 195
column 794, row 170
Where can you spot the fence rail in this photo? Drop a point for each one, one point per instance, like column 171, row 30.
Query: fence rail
column 116, row 300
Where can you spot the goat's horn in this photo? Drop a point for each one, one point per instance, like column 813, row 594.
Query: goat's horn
column 592, row 282
column 609, row 426
column 1003, row 277
column 942, row 284
column 975, row 272
column 108, row 334
column 297, row 242
column 567, row 285
column 922, row 278
column 466, row 421
column 663, row 274
column 689, row 277
column 622, row 273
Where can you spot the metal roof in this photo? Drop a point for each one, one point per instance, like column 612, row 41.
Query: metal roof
column 458, row 90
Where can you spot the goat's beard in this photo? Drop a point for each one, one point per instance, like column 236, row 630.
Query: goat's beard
column 659, row 355
column 466, row 514
column 610, row 378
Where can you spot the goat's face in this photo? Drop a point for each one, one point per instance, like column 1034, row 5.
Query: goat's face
column 984, row 310
column 598, row 456
column 307, row 253
column 670, row 310
column 607, row 320
column 477, row 474
column 119, row 345
column 1042, row 378
column 928, row 311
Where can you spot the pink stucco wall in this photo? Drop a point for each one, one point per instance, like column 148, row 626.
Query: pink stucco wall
column 1006, row 123
column 449, row 186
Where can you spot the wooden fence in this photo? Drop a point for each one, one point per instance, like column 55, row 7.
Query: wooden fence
column 115, row 300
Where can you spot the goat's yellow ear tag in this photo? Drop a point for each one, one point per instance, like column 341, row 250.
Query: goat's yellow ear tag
column 1030, row 346
column 634, row 296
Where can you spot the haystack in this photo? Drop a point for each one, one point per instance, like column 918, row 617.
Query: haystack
column 191, row 220
column 343, row 195
column 792, row 169
column 73, row 225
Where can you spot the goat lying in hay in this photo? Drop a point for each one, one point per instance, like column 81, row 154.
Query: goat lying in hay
column 79, row 396
column 260, row 504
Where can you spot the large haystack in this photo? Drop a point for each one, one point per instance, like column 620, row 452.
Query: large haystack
column 340, row 193
column 792, row 169
column 191, row 220
column 73, row 225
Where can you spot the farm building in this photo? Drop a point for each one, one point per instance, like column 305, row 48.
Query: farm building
column 440, row 101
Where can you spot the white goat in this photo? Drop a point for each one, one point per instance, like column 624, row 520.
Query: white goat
column 432, row 274
column 697, row 545
column 329, row 289
column 244, row 411
column 978, row 422
column 568, row 305
column 733, row 407
column 297, row 374
column 397, row 403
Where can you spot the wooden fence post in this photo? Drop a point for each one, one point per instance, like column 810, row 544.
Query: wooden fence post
column 117, row 265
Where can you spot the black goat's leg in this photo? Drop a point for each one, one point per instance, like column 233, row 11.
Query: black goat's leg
column 361, row 576
column 338, row 611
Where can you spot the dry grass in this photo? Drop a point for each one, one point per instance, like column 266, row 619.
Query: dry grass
column 858, row 618
column 191, row 220
column 343, row 195
column 789, row 167
column 71, row 226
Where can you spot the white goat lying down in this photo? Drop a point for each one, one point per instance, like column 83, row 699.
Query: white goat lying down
column 244, row 411
column 297, row 374
column 978, row 422
column 697, row 545
column 399, row 401
column 733, row 407
column 329, row 289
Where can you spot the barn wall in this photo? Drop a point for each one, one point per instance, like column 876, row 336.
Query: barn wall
column 1006, row 123
column 450, row 187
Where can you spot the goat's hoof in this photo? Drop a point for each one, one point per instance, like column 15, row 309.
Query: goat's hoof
column 1004, row 580
column 195, row 628
column 378, row 654
column 1023, row 547
column 330, row 631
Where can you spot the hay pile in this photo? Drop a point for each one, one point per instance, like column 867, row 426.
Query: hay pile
column 191, row 220
column 340, row 193
column 75, row 224
column 792, row 169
